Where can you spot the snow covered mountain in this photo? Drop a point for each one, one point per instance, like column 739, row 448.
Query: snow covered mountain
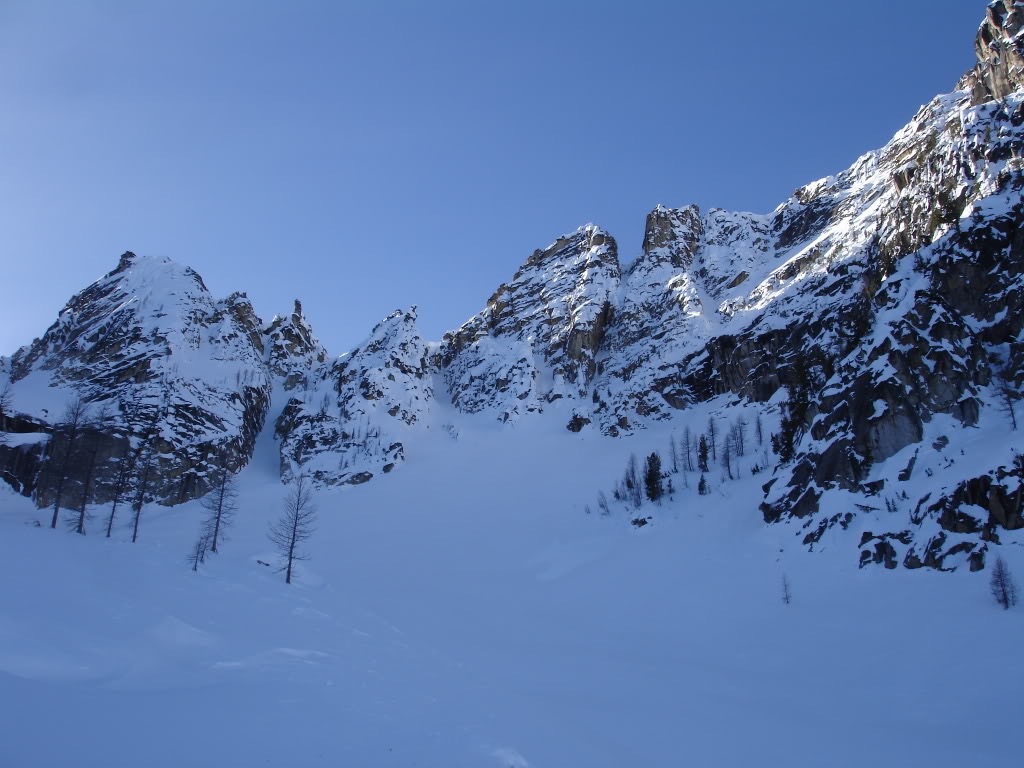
column 347, row 423
column 162, row 366
column 870, row 320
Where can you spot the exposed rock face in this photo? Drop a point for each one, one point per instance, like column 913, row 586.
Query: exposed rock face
column 1000, row 52
column 672, row 236
column 537, row 339
column 666, row 315
column 891, row 294
column 940, row 294
column 293, row 352
column 347, row 424
column 160, row 363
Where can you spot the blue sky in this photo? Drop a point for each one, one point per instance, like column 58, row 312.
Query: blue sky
column 368, row 156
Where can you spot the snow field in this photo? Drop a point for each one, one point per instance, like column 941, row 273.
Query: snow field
column 464, row 611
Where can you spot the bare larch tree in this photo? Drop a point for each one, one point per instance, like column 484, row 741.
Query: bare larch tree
column 70, row 428
column 93, row 439
column 713, row 437
column 198, row 554
column 5, row 409
column 295, row 526
column 145, row 474
column 125, row 468
column 1008, row 395
column 221, row 503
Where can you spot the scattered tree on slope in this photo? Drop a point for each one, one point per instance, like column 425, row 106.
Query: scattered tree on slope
column 652, row 477
column 1004, row 589
column 221, row 503
column 70, row 429
column 295, row 526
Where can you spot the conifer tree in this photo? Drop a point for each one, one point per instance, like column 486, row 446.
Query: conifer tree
column 295, row 526
column 1004, row 589
column 794, row 415
column 713, row 437
column 688, row 447
column 83, row 516
column 739, row 436
column 125, row 467
column 652, row 477
column 198, row 554
column 1008, row 395
column 5, row 409
column 70, row 429
column 221, row 503
column 631, row 482
column 141, row 490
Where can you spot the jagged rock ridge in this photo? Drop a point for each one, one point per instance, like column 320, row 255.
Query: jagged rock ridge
column 158, row 361
column 890, row 292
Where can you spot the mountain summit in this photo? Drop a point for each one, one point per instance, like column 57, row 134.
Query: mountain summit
column 873, row 320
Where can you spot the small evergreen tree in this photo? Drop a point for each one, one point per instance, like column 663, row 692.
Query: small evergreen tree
column 794, row 415
column 631, row 481
column 652, row 477
column 1004, row 589
column 702, row 486
column 702, row 454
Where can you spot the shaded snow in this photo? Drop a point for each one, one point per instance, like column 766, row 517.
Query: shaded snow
column 466, row 612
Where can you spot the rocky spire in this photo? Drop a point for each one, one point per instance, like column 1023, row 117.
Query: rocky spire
column 673, row 234
column 293, row 350
column 1000, row 51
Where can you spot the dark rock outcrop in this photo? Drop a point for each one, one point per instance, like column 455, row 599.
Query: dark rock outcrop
column 1000, row 51
column 161, row 365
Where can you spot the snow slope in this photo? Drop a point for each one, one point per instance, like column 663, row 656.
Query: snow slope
column 477, row 608
column 452, row 616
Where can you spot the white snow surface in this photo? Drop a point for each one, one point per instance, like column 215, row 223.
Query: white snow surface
column 468, row 612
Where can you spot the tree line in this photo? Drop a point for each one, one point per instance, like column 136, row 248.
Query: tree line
column 688, row 453
column 79, row 446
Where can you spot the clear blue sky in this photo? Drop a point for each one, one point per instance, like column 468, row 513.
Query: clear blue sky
column 363, row 156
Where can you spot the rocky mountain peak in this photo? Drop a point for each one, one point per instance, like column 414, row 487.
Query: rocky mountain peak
column 347, row 423
column 293, row 351
column 673, row 235
column 882, row 305
column 999, row 48
column 536, row 341
column 167, row 372
column 126, row 260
